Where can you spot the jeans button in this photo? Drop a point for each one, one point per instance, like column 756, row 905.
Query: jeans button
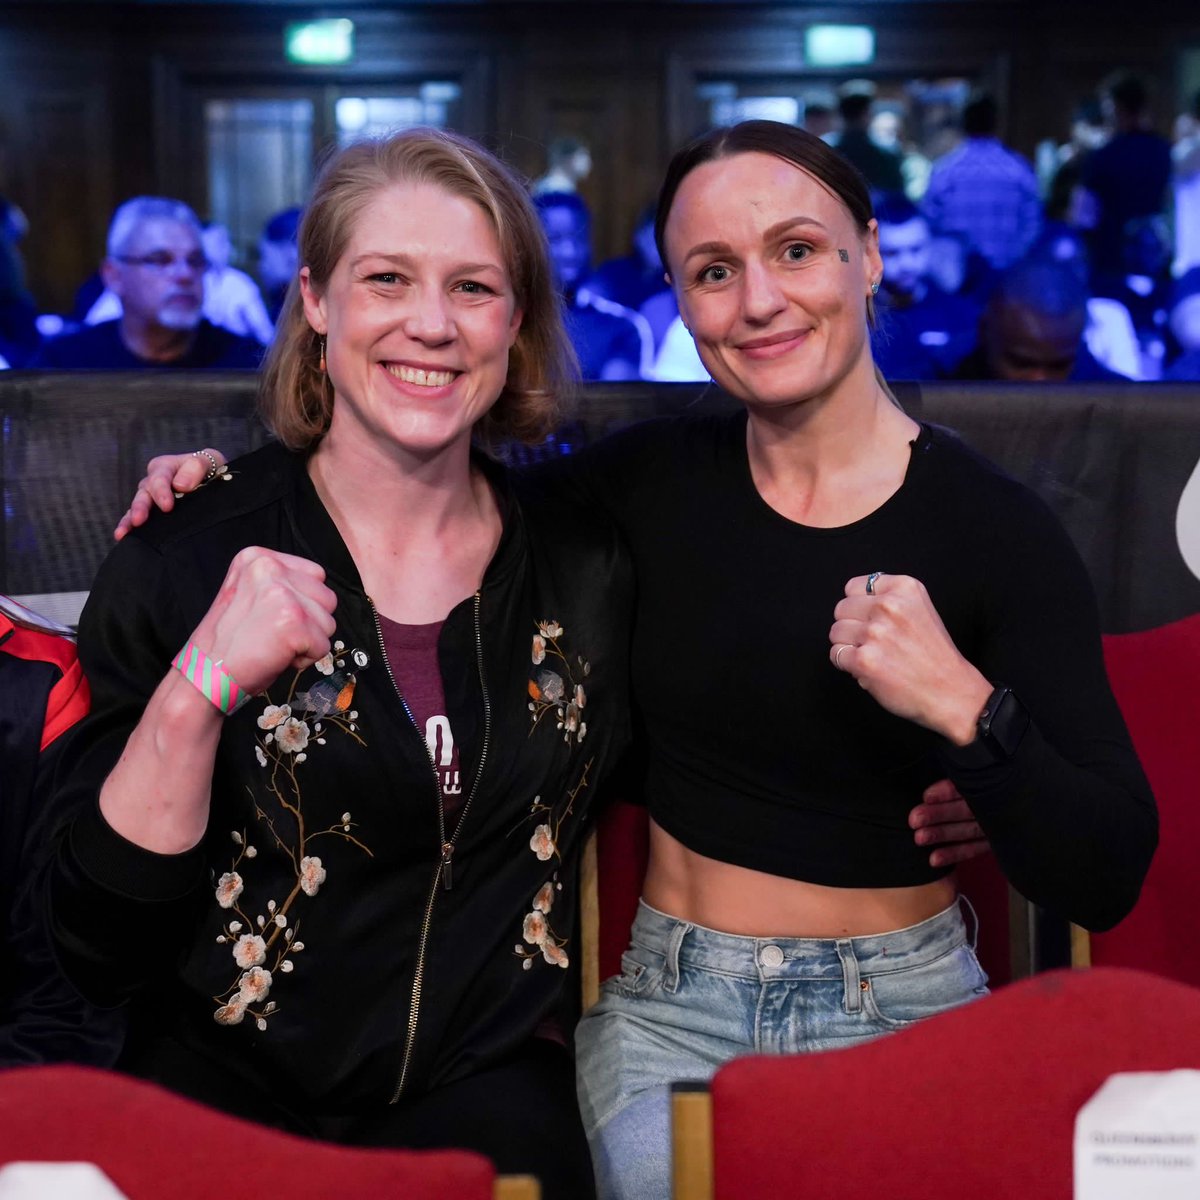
column 771, row 956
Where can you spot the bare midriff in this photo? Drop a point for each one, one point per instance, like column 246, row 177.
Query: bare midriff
column 739, row 900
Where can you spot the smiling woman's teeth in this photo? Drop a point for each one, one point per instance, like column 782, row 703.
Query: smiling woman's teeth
column 420, row 377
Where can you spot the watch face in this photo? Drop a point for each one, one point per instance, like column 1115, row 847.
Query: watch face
column 1003, row 722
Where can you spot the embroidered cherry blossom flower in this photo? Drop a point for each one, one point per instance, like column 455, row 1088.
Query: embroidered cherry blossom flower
column 281, row 920
column 539, row 649
column 292, row 736
column 249, row 951
column 544, row 900
column 581, row 732
column 229, row 888
column 527, row 965
column 237, row 837
column 554, row 954
column 251, row 852
column 339, row 646
column 235, row 926
column 550, row 629
column 580, row 696
column 312, row 875
column 570, row 721
column 287, row 966
column 258, row 753
column 550, row 687
column 534, row 930
column 261, row 1023
column 231, row 1013
column 254, row 985
column 542, row 843
column 325, row 665
column 273, row 715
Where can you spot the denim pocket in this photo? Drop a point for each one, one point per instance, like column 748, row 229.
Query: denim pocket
column 640, row 970
column 898, row 998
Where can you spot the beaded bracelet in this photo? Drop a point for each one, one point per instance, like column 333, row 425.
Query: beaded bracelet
column 210, row 679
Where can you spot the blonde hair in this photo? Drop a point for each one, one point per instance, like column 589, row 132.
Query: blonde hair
column 295, row 394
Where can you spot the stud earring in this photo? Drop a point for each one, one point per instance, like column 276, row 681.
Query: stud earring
column 322, row 363
column 874, row 287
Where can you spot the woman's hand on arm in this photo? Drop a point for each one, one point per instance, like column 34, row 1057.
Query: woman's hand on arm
column 893, row 641
column 944, row 821
column 273, row 611
column 166, row 475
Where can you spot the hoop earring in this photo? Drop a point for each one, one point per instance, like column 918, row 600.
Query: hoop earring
column 322, row 363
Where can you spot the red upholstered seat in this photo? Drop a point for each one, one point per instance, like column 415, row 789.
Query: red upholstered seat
column 978, row 1103
column 1155, row 675
column 153, row 1145
column 622, row 850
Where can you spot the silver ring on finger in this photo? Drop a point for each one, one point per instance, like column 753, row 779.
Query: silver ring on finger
column 874, row 575
column 214, row 467
column 837, row 655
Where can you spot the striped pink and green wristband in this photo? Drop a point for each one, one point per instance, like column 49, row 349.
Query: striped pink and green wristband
column 210, row 678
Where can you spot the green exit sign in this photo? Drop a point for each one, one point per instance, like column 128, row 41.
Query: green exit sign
column 319, row 43
column 839, row 45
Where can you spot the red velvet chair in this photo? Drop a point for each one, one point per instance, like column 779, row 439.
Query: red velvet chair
column 979, row 1102
column 153, row 1144
column 1154, row 675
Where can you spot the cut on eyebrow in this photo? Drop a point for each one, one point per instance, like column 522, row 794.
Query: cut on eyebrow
column 769, row 235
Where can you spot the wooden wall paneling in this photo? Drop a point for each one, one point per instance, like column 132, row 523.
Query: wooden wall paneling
column 196, row 63
column 602, row 85
column 926, row 44
column 55, row 121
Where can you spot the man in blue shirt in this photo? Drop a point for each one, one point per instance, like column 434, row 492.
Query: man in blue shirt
column 155, row 266
column 1032, row 329
column 922, row 331
column 611, row 341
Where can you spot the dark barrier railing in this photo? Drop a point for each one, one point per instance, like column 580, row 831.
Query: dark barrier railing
column 1111, row 460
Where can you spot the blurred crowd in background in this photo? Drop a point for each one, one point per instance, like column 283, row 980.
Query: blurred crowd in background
column 1085, row 265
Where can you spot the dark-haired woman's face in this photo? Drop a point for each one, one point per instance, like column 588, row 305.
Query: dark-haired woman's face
column 772, row 277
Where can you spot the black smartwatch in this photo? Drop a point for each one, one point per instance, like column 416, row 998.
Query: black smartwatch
column 999, row 729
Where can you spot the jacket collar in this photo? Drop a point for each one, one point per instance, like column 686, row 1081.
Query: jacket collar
column 315, row 530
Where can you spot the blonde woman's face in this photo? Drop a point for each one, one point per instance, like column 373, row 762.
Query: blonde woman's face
column 419, row 316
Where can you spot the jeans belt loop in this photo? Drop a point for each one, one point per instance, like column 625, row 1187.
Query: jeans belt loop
column 671, row 975
column 974, row 934
column 850, row 979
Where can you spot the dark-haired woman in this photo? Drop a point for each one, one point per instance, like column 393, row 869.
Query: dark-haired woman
column 837, row 606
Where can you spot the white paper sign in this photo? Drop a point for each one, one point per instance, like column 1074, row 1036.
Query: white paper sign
column 57, row 1180
column 1139, row 1137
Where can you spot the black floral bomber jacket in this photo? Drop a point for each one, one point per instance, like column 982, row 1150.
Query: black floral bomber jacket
column 334, row 942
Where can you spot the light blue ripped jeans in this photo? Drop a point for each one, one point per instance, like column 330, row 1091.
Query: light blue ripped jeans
column 689, row 999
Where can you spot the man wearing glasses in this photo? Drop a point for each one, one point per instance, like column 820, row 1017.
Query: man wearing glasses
column 155, row 267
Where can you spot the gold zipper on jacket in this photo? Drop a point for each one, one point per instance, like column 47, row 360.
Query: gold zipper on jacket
column 442, row 873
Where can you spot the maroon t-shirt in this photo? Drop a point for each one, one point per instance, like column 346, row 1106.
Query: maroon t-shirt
column 412, row 655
